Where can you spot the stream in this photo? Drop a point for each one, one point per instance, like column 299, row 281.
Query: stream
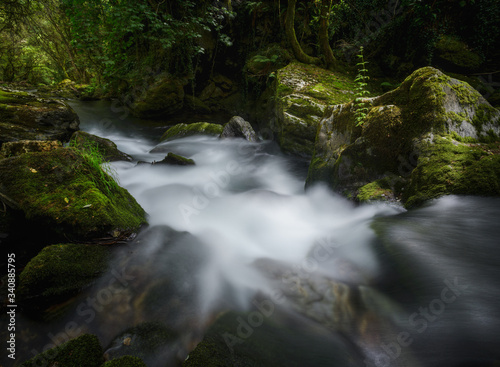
column 341, row 284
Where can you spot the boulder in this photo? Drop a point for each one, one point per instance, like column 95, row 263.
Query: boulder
column 107, row 149
column 14, row 148
column 303, row 93
column 454, row 55
column 82, row 351
column 176, row 160
column 431, row 123
column 197, row 128
column 23, row 116
column 59, row 272
column 164, row 97
column 125, row 361
column 69, row 194
column 237, row 127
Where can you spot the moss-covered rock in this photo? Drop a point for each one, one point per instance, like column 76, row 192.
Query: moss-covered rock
column 24, row 116
column 165, row 96
column 379, row 190
column 402, row 125
column 125, row 361
column 107, row 149
column 67, row 192
column 14, row 148
column 455, row 55
column 82, row 351
column 60, row 271
column 176, row 160
column 197, row 128
column 148, row 341
column 303, row 93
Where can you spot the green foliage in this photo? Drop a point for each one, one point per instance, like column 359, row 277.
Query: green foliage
column 360, row 105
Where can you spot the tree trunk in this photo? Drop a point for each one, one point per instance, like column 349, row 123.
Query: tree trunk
column 292, row 38
column 324, row 42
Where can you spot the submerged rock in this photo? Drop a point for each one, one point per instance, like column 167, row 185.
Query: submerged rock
column 82, row 351
column 68, row 193
column 303, row 93
column 237, row 127
column 107, row 149
column 197, row 128
column 23, row 116
column 432, row 136
column 59, row 272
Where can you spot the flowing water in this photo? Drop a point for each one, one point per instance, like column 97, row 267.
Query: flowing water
column 346, row 285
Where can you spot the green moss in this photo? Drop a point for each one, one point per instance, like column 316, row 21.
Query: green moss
column 449, row 167
column 125, row 361
column 64, row 190
column 484, row 115
column 175, row 159
column 92, row 144
column 197, row 128
column 377, row 190
column 456, row 53
column 60, row 271
column 82, row 351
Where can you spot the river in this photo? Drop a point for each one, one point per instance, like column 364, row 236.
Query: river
column 358, row 285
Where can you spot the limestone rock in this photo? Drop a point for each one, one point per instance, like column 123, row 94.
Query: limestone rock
column 237, row 127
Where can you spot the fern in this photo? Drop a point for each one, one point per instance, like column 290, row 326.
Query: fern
column 360, row 105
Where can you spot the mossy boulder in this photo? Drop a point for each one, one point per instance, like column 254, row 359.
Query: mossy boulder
column 107, row 149
column 149, row 341
column 176, row 160
column 59, row 272
column 197, row 128
column 125, row 361
column 24, row 116
column 69, row 194
column 303, row 93
column 164, row 97
column 401, row 128
column 14, row 148
column 82, row 351
column 454, row 55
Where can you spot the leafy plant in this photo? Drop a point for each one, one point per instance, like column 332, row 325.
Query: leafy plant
column 360, row 104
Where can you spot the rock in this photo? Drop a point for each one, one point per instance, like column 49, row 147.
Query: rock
column 69, row 194
column 303, row 93
column 59, row 272
column 176, row 160
column 455, row 55
column 23, row 116
column 197, row 128
column 432, row 122
column 82, row 351
column 125, row 361
column 108, row 149
column 14, row 148
column 163, row 98
column 149, row 341
column 237, row 127
column 248, row 339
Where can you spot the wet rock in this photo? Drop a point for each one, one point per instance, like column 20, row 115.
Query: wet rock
column 59, row 272
column 69, row 195
column 150, row 341
column 429, row 137
column 176, row 160
column 23, row 116
column 82, row 351
column 108, row 149
column 237, row 127
column 197, row 128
